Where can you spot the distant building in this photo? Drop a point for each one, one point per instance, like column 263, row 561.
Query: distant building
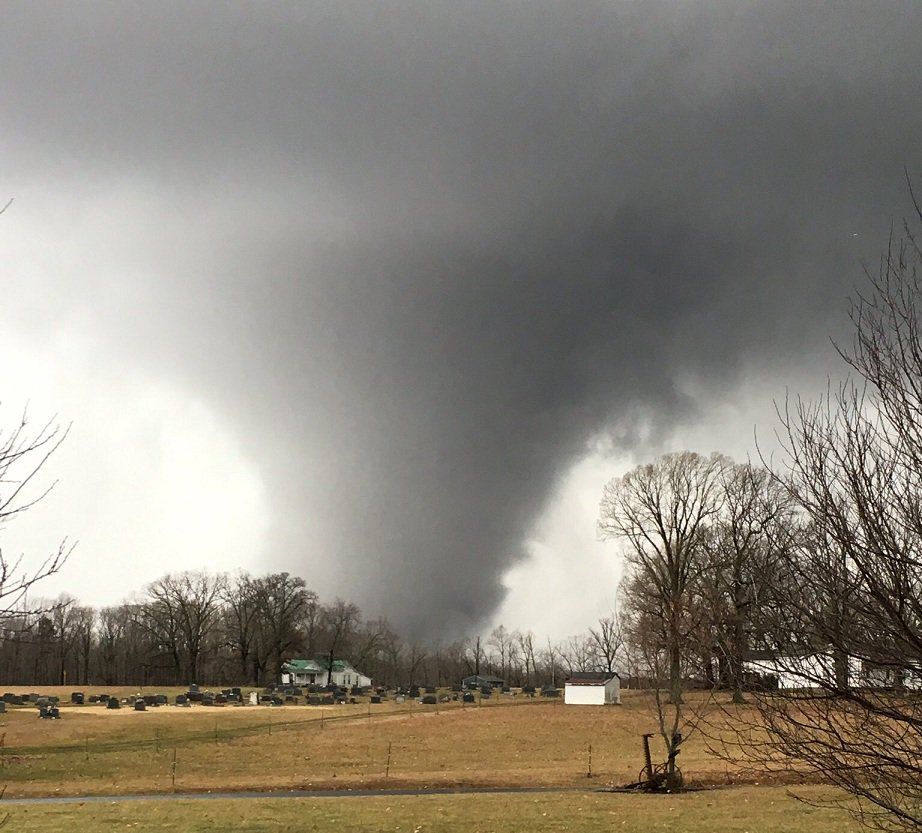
column 317, row 672
column 592, row 688
column 823, row 669
column 479, row 680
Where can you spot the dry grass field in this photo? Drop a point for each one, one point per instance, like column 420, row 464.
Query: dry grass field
column 92, row 750
column 501, row 743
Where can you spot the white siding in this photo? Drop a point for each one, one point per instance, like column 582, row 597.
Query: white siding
column 593, row 695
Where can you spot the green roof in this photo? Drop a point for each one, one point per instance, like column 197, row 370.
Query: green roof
column 302, row 666
column 315, row 665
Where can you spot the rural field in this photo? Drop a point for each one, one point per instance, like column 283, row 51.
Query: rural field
column 503, row 743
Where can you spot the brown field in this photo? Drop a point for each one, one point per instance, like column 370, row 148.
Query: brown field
column 507, row 742
column 504, row 742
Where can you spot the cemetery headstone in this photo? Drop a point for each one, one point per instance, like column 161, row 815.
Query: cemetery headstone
column 76, row 697
column 468, row 697
column 254, row 698
column 140, row 705
column 113, row 703
column 375, row 698
column 429, row 700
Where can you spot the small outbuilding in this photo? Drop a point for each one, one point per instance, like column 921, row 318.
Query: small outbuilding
column 481, row 680
column 592, row 688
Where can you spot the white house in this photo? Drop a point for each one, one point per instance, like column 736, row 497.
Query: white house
column 317, row 672
column 592, row 688
column 806, row 670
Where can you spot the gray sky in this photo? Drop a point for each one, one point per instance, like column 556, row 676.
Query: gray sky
column 381, row 293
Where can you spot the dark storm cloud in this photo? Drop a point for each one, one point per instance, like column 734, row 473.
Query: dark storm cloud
column 420, row 254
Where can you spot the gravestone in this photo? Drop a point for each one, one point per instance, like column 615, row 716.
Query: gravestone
column 528, row 689
column 160, row 699
column 2, row 706
column 327, row 700
column 277, row 701
column 182, row 700
column 140, row 705
column 375, row 698
column 220, row 699
column 313, row 699
column 194, row 696
column 429, row 700
column 468, row 697
column 8, row 697
column 399, row 698
column 550, row 692
column 254, row 698
column 76, row 698
column 113, row 703
column 16, row 700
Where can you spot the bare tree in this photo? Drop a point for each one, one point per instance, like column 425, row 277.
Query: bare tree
column 240, row 615
column 501, row 640
column 742, row 548
column 526, row 643
column 281, row 600
column 850, row 633
column 340, row 620
column 607, row 642
column 180, row 613
column 24, row 452
column 662, row 511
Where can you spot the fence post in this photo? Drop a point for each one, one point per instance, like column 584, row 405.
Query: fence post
column 173, row 770
column 387, row 766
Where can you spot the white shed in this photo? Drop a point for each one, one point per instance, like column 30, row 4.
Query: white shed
column 592, row 688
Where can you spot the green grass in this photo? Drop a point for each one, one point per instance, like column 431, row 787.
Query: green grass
column 755, row 809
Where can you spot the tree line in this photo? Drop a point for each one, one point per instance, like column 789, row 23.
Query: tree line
column 236, row 628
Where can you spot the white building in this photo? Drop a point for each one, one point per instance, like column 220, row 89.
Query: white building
column 592, row 688
column 316, row 672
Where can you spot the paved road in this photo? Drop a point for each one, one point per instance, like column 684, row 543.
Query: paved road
column 181, row 796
